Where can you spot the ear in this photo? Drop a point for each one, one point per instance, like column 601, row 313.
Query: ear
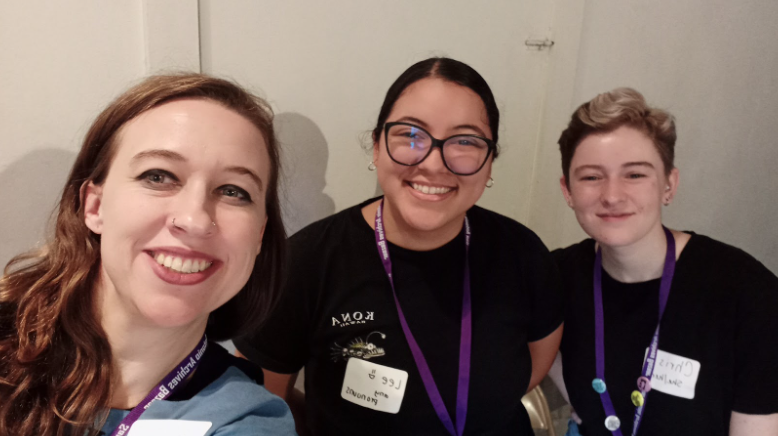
column 375, row 151
column 565, row 191
column 261, row 236
column 673, row 180
column 92, row 201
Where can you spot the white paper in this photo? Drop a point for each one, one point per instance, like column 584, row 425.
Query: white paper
column 675, row 375
column 167, row 427
column 374, row 386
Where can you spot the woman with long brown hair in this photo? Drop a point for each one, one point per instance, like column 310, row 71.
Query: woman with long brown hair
column 168, row 237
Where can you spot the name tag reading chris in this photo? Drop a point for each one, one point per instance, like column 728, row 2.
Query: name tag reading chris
column 675, row 375
column 374, row 386
column 167, row 427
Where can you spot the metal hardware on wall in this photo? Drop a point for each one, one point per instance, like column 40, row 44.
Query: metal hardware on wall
column 539, row 44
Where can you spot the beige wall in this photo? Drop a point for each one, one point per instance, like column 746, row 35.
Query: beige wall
column 326, row 65
column 713, row 64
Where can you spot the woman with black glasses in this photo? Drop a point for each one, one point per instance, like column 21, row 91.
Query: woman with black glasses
column 417, row 312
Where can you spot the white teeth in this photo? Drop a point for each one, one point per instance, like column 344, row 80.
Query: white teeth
column 430, row 189
column 185, row 266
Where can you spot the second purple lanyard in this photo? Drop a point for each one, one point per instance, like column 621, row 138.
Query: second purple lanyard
column 640, row 396
column 463, row 382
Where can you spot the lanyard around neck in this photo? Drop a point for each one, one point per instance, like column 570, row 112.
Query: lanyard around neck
column 611, row 421
column 172, row 382
column 463, row 382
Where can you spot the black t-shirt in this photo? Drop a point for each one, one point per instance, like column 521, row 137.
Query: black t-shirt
column 338, row 303
column 722, row 312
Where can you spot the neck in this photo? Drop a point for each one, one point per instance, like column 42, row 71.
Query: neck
column 144, row 354
column 638, row 262
column 399, row 233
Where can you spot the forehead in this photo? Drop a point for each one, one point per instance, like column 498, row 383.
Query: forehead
column 441, row 104
column 623, row 145
column 199, row 129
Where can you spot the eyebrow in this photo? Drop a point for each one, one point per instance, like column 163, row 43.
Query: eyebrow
column 172, row 155
column 421, row 123
column 247, row 172
column 626, row 165
column 163, row 154
column 639, row 164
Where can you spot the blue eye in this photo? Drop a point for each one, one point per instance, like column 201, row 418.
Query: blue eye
column 157, row 178
column 232, row 191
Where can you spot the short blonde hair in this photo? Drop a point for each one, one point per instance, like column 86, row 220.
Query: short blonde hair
column 609, row 111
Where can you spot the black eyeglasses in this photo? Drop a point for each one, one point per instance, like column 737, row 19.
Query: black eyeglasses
column 463, row 155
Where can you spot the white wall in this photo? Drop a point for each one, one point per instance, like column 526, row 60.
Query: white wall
column 60, row 63
column 713, row 64
column 326, row 67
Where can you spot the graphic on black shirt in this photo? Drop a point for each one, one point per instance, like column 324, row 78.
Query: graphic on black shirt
column 361, row 349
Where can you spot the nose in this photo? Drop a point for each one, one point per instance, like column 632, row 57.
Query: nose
column 434, row 162
column 193, row 214
column 612, row 192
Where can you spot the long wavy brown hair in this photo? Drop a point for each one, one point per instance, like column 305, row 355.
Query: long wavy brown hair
column 55, row 360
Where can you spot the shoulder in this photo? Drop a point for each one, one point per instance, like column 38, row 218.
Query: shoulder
column 574, row 255
column 330, row 228
column 243, row 406
column 499, row 228
column 720, row 261
column 226, row 391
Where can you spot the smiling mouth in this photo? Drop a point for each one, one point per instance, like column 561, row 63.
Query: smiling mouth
column 431, row 190
column 614, row 215
column 180, row 264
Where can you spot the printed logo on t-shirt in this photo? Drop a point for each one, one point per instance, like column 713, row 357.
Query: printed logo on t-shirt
column 358, row 348
column 351, row 318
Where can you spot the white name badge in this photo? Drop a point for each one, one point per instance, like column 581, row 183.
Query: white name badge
column 374, row 386
column 167, row 427
column 675, row 375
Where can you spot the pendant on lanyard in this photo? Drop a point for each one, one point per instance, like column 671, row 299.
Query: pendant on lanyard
column 639, row 397
column 165, row 388
column 463, row 383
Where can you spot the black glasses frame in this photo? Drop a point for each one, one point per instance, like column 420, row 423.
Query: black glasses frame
column 437, row 143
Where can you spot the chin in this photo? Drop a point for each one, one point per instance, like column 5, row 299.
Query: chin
column 171, row 314
column 426, row 220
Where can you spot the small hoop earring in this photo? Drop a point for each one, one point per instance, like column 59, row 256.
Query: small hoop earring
column 490, row 182
column 371, row 167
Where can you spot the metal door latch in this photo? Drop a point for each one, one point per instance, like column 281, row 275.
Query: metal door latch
column 540, row 44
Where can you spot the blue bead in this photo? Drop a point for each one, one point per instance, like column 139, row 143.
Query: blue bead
column 599, row 385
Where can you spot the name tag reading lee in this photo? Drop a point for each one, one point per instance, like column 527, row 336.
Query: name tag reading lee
column 374, row 386
column 167, row 427
column 675, row 375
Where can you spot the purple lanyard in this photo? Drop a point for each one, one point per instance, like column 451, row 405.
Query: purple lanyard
column 463, row 383
column 599, row 332
column 167, row 386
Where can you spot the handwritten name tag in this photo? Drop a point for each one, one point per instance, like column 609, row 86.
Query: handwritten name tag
column 167, row 427
column 374, row 386
column 675, row 375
